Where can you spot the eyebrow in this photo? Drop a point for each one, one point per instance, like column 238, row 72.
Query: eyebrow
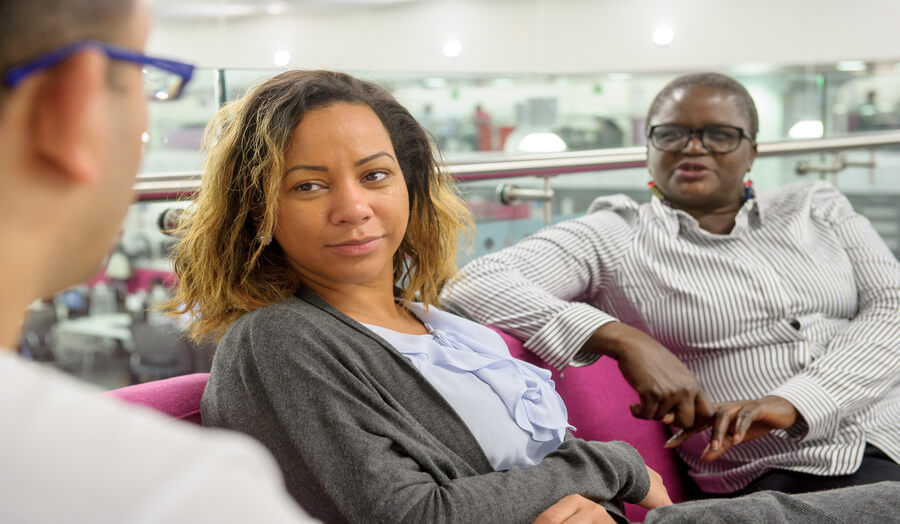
column 325, row 169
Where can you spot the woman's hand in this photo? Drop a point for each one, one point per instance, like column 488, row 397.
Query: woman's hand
column 668, row 390
column 658, row 494
column 739, row 421
column 575, row 509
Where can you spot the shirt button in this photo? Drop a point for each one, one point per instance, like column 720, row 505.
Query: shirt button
column 795, row 324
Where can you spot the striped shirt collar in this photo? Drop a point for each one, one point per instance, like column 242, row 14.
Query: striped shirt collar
column 675, row 221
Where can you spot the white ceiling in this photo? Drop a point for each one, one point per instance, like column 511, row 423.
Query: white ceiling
column 181, row 9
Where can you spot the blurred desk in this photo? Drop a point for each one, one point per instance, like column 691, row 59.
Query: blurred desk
column 115, row 326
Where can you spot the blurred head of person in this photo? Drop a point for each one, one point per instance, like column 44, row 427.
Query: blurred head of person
column 316, row 179
column 701, row 131
column 71, row 119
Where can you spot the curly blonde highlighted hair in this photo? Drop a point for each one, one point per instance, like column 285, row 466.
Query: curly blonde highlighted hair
column 224, row 261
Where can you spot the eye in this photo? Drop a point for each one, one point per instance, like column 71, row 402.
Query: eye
column 306, row 187
column 721, row 134
column 375, row 176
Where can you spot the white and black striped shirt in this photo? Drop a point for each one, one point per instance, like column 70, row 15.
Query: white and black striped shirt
column 800, row 300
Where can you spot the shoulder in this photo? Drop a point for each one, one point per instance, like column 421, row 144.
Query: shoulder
column 93, row 423
column 818, row 198
column 274, row 333
column 615, row 205
column 606, row 216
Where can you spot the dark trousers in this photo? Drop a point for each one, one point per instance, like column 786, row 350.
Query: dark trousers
column 876, row 467
column 875, row 503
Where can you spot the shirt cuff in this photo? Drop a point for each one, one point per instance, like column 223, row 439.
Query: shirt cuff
column 560, row 341
column 816, row 409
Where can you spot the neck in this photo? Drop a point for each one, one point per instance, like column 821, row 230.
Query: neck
column 369, row 303
column 717, row 221
column 19, row 288
column 27, row 271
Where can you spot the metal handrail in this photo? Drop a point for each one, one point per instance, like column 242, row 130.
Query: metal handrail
column 154, row 185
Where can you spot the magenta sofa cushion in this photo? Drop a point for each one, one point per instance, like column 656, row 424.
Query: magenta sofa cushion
column 178, row 397
column 597, row 398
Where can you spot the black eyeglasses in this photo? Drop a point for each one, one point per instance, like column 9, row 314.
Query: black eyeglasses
column 719, row 139
column 163, row 79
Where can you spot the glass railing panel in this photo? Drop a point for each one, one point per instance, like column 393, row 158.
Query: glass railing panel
column 175, row 128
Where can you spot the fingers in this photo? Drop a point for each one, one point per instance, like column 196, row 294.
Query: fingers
column 742, row 424
column 680, row 437
column 684, row 414
column 704, row 406
column 574, row 509
column 668, row 405
column 647, row 407
column 559, row 512
column 720, row 427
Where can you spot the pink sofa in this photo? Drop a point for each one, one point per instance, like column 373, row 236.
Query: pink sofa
column 178, row 397
column 597, row 398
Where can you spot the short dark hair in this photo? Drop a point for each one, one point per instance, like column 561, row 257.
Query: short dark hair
column 714, row 81
column 29, row 28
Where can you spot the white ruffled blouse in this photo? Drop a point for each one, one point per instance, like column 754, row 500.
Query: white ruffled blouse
column 511, row 407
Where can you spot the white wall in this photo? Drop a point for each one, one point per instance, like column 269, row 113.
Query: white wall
column 544, row 35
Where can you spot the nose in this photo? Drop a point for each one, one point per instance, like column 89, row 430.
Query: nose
column 695, row 146
column 350, row 204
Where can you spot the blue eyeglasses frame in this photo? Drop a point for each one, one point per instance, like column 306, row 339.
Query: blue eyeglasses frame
column 16, row 75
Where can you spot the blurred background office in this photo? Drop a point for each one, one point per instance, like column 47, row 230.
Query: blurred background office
column 538, row 106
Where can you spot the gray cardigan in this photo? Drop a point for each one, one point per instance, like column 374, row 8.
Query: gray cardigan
column 361, row 436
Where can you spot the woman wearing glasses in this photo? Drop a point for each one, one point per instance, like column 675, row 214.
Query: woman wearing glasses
column 767, row 322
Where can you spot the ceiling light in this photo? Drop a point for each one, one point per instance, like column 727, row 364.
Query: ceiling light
column 663, row 35
column 541, row 143
column 452, row 48
column 807, row 129
column 281, row 58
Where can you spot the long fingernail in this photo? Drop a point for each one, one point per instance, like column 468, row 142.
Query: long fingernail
column 714, row 445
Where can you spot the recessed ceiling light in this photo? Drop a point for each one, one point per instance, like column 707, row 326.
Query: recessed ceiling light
column 452, row 48
column 281, row 58
column 663, row 35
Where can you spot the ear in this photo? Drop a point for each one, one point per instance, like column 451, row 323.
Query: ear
column 66, row 115
column 753, row 153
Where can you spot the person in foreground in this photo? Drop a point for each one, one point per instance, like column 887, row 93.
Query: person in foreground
column 780, row 307
column 71, row 116
column 317, row 247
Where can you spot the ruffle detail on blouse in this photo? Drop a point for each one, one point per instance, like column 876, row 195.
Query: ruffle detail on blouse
column 527, row 391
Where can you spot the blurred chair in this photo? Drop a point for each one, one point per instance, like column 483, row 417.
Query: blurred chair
column 178, row 397
column 37, row 337
column 159, row 351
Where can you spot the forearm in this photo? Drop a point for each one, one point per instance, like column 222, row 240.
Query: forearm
column 603, row 472
column 500, row 291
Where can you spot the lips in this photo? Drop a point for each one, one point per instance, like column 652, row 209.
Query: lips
column 692, row 170
column 356, row 246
